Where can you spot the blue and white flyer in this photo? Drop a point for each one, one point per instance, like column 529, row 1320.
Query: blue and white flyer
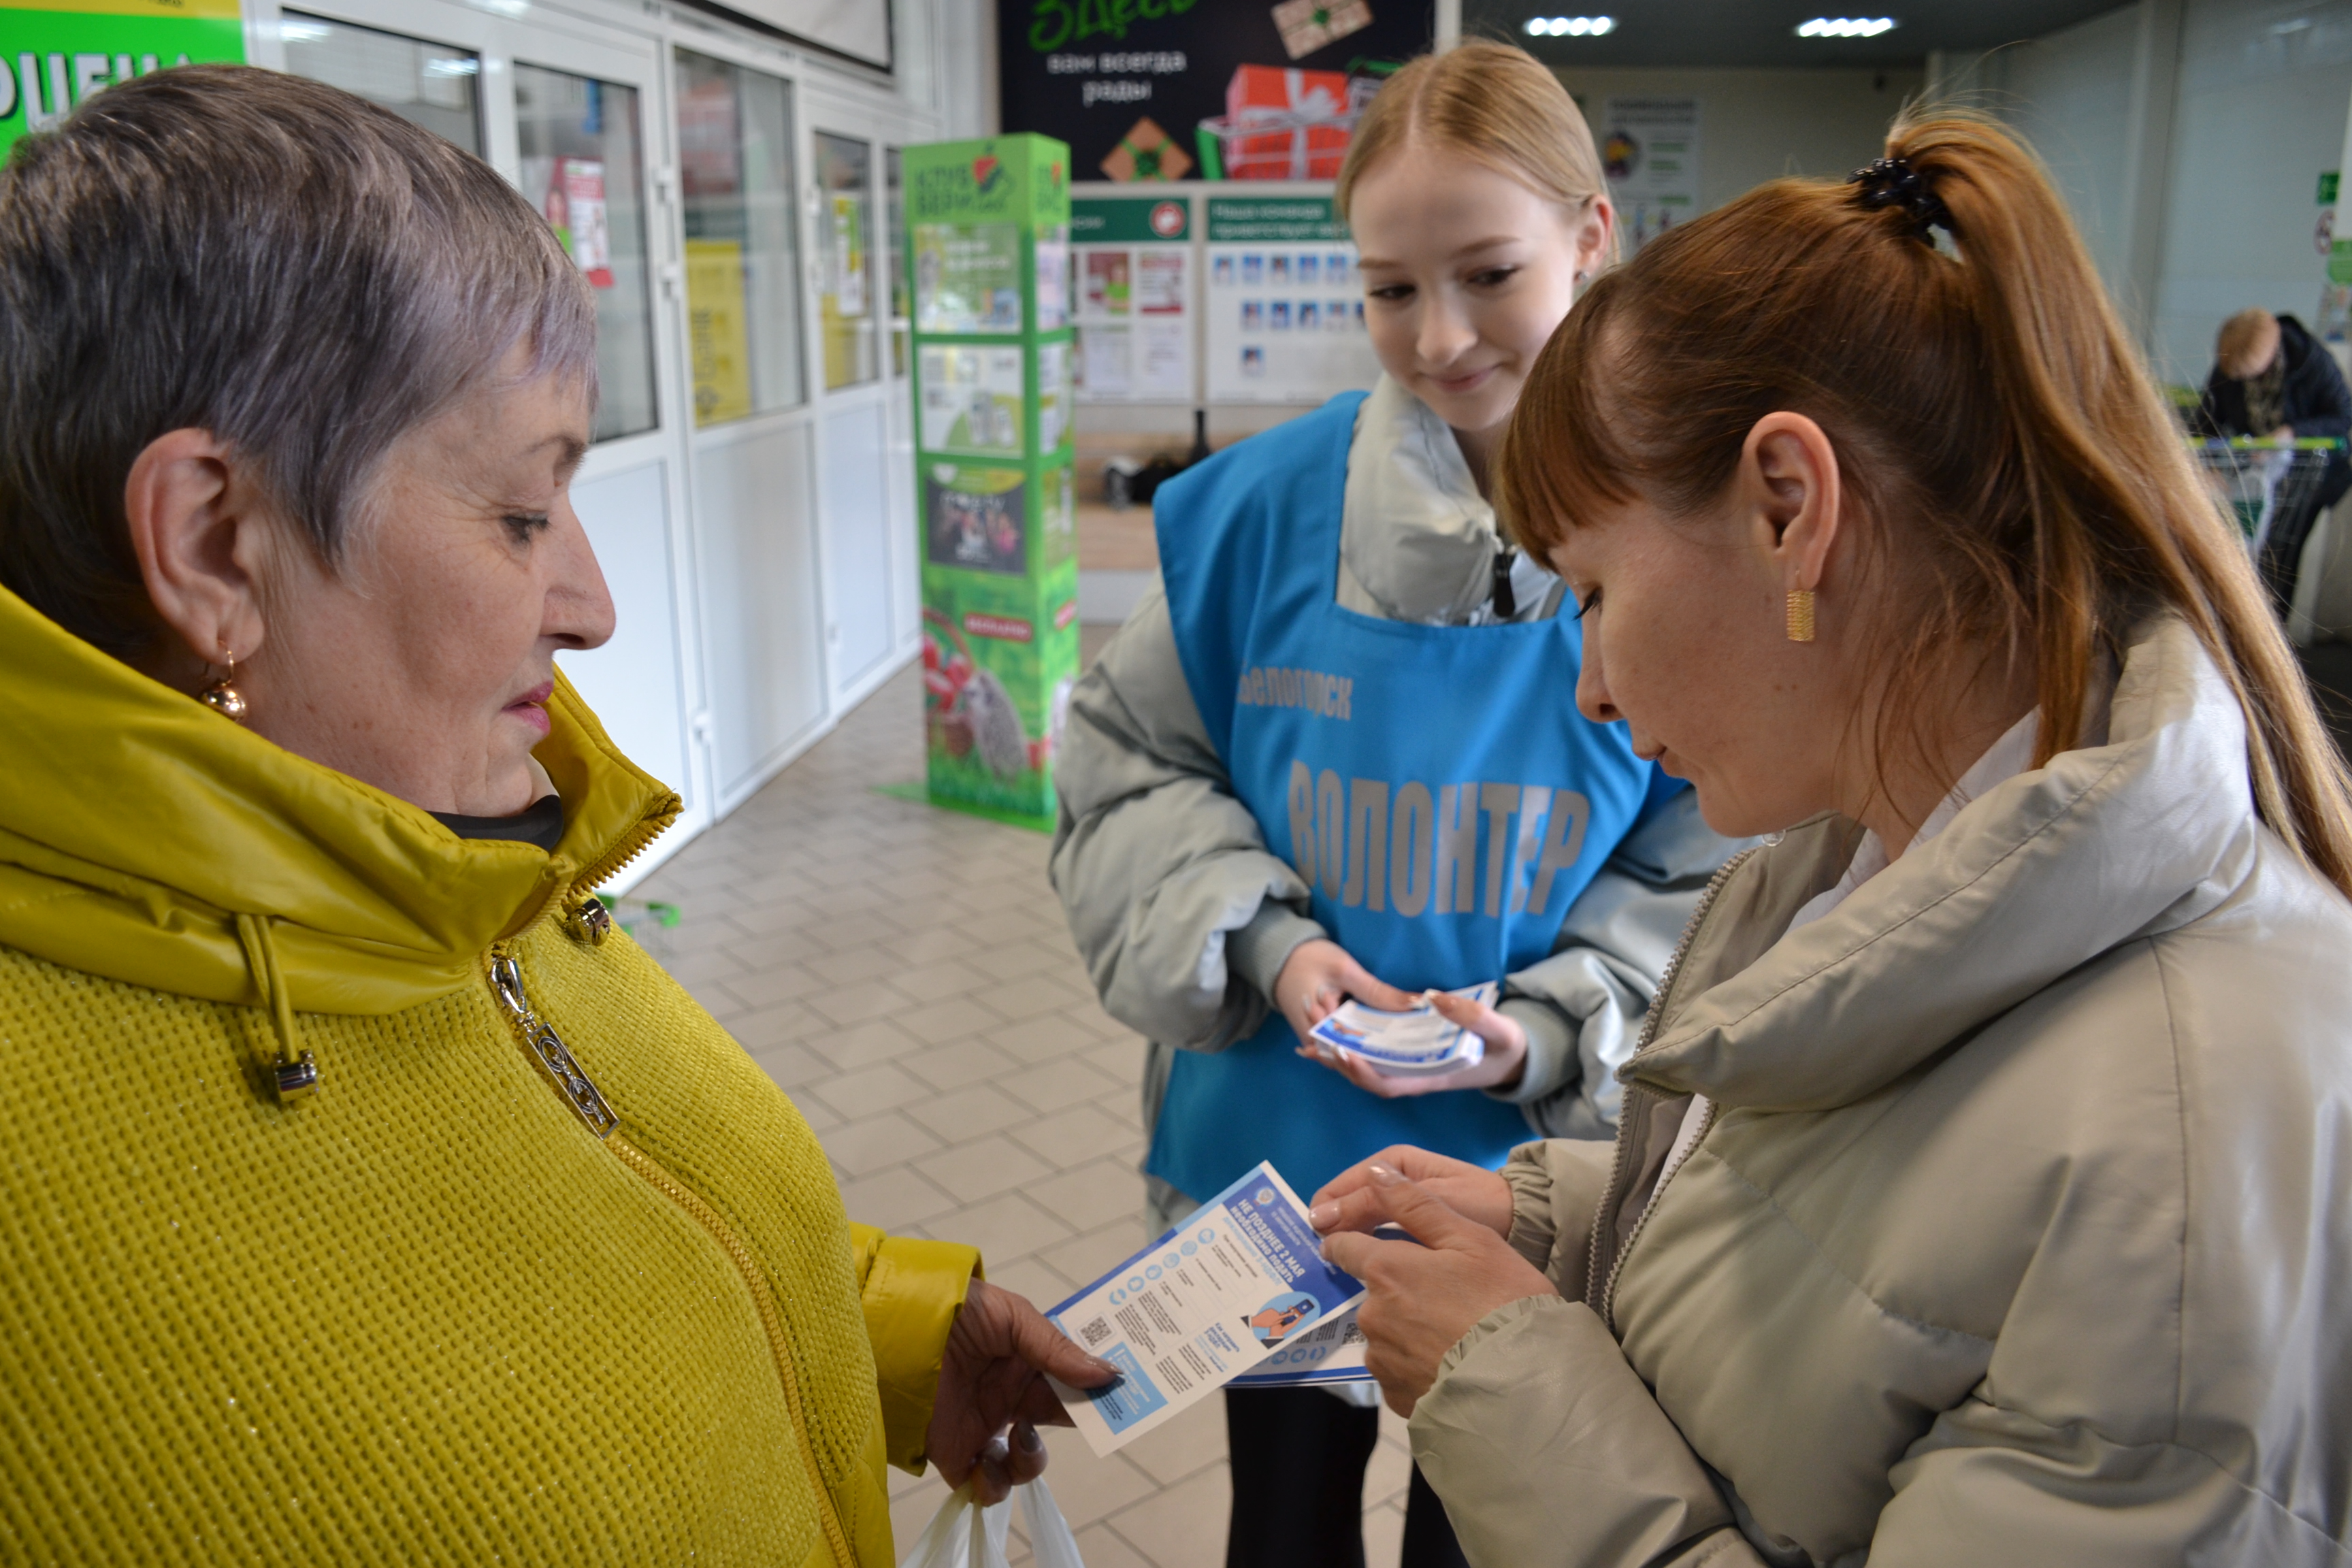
column 1418, row 1041
column 1223, row 1292
column 1330, row 1352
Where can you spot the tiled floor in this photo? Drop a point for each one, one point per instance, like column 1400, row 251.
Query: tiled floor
column 905, row 975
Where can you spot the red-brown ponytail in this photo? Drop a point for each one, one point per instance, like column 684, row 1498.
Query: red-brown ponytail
column 1986, row 407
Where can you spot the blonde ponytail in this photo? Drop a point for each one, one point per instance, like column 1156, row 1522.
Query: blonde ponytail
column 1986, row 404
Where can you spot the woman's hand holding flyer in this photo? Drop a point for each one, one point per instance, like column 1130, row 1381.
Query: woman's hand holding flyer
column 1422, row 1296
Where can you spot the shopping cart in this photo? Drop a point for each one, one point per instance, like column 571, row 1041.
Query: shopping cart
column 2261, row 482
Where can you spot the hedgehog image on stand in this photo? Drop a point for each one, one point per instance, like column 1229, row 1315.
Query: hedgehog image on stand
column 996, row 730
column 968, row 708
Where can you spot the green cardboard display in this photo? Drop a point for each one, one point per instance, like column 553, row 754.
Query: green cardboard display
column 988, row 246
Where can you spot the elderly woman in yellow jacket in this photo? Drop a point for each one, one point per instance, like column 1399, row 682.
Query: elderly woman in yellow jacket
column 364, row 1194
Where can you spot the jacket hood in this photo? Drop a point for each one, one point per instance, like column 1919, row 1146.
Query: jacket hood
column 1417, row 535
column 2037, row 876
column 146, row 839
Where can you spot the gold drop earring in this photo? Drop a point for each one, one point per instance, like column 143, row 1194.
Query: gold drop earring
column 222, row 696
column 1801, row 615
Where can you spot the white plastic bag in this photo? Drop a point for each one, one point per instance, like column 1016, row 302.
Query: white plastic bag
column 963, row 1535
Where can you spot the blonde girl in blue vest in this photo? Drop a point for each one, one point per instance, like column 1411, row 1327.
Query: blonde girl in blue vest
column 1338, row 757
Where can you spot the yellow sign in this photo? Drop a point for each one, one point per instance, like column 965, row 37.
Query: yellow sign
column 721, row 345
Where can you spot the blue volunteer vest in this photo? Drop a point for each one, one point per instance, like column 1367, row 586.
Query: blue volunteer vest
column 1434, row 785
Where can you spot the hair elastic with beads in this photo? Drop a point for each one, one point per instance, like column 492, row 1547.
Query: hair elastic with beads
column 1892, row 182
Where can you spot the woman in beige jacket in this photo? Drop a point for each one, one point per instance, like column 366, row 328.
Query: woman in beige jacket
column 1981, row 1189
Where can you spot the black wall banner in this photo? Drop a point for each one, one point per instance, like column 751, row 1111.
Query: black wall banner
column 1128, row 83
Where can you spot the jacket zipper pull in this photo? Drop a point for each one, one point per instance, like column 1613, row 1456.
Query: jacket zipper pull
column 547, row 1048
column 589, row 921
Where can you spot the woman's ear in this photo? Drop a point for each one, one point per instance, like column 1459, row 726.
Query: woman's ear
column 1789, row 471
column 201, row 540
column 1594, row 227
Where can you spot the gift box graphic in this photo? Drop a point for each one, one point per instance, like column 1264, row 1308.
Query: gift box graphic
column 1147, row 153
column 1307, row 26
column 1282, row 123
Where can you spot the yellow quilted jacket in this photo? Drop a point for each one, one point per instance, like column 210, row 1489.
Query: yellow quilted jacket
column 545, row 1270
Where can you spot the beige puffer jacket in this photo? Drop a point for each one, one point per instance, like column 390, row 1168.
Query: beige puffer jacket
column 2020, row 1231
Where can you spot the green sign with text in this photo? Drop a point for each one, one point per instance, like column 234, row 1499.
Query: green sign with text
column 55, row 53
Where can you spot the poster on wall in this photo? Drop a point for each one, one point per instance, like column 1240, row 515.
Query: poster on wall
column 719, row 345
column 54, row 56
column 1131, row 87
column 1286, row 308
column 1649, row 151
column 1135, row 316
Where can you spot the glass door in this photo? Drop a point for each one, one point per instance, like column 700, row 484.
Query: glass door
column 867, row 567
column 847, row 303
column 894, row 212
column 742, row 248
column 581, row 144
column 435, row 85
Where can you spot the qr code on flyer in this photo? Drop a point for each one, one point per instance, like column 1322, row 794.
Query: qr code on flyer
column 1096, row 1332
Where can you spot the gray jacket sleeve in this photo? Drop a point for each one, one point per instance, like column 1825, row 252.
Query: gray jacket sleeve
column 1182, row 915
column 1582, row 1006
column 1545, row 1444
column 1549, row 1452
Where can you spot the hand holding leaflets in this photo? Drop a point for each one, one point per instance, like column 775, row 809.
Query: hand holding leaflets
column 1418, row 1041
column 1392, row 1043
column 1423, row 1295
column 993, row 1392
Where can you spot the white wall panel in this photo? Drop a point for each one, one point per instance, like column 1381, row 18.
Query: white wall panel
column 856, row 514
column 761, row 607
column 634, row 682
column 2070, row 94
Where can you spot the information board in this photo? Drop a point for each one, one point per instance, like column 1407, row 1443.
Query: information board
column 1649, row 151
column 1285, row 309
column 1134, row 263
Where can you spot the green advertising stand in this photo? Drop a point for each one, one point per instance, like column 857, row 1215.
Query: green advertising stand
column 55, row 53
column 989, row 249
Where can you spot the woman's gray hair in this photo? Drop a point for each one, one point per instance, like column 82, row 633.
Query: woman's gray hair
column 300, row 273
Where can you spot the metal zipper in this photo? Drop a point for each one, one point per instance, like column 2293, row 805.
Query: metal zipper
column 1604, row 1301
column 557, row 1064
column 547, row 1048
column 771, row 1320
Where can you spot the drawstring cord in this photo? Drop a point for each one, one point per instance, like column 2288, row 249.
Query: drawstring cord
column 295, row 1072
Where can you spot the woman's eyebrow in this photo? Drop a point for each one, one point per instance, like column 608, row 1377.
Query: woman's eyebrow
column 1367, row 263
column 571, row 451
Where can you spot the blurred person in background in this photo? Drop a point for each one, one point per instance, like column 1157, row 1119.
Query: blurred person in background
column 2274, row 381
column 367, row 1195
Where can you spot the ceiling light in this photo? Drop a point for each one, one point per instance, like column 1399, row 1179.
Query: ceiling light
column 1570, row 26
column 295, row 32
column 1845, row 27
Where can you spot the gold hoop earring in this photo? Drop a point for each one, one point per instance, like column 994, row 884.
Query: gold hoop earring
column 1801, row 615
column 222, row 696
